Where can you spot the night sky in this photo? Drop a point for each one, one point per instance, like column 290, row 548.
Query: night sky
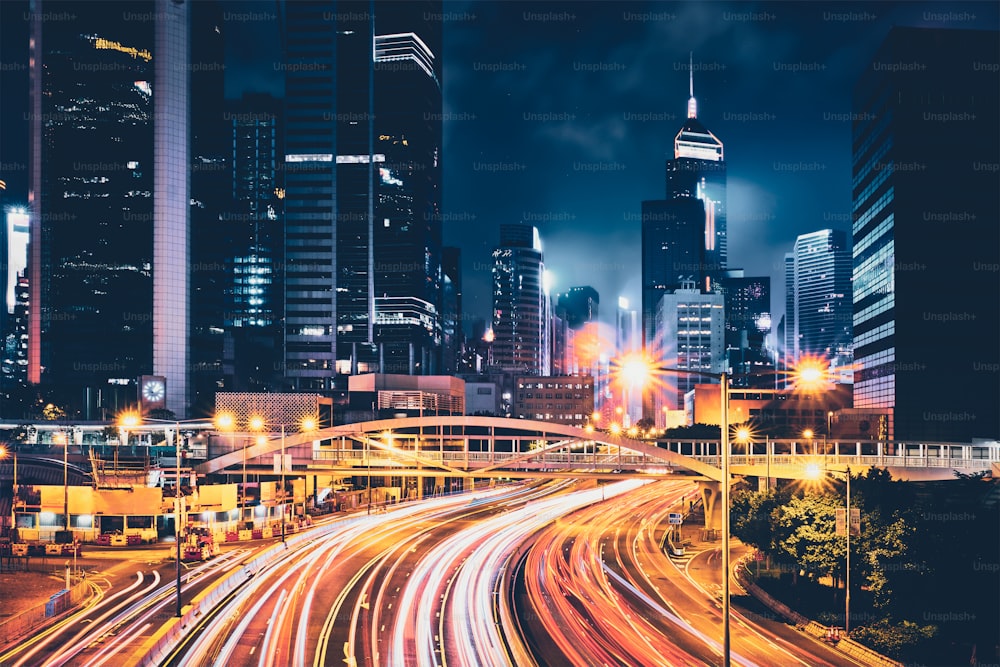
column 563, row 114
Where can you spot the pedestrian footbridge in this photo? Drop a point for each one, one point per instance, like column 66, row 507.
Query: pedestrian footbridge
column 494, row 447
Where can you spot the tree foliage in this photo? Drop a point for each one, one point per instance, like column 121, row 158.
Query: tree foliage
column 695, row 432
column 806, row 532
column 900, row 641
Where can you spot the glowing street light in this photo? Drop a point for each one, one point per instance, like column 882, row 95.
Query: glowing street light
column 305, row 425
column 4, row 453
column 813, row 472
column 225, row 422
column 723, row 379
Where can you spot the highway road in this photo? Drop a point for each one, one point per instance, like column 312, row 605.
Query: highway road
column 550, row 573
column 600, row 589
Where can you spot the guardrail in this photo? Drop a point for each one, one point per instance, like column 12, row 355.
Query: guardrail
column 28, row 621
column 810, row 627
column 156, row 649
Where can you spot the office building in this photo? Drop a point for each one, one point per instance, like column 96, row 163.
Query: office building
column 407, row 235
column 18, row 230
column 693, row 325
column 578, row 306
column 673, row 253
column 211, row 202
column 254, row 224
column 926, row 234
column 521, row 329
column 110, row 191
column 452, row 336
column 787, row 334
column 362, row 160
column 698, row 170
column 747, row 302
column 821, row 296
column 555, row 399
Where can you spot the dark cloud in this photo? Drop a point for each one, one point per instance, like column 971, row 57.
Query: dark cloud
column 547, row 86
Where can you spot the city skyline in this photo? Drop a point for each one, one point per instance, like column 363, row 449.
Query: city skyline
column 575, row 110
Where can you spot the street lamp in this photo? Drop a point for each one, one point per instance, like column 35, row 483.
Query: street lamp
column 723, row 379
column 307, row 424
column 225, row 422
column 813, row 471
column 4, row 453
column 131, row 420
column 808, row 435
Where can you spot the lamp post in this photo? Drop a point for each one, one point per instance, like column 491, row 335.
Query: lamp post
column 4, row 453
column 723, row 379
column 131, row 420
column 812, row 471
column 305, row 425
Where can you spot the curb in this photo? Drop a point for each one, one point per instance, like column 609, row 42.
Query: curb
column 814, row 629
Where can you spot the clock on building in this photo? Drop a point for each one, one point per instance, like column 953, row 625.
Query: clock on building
column 152, row 391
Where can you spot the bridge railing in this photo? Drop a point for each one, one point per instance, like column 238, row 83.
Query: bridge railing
column 883, row 461
column 603, row 459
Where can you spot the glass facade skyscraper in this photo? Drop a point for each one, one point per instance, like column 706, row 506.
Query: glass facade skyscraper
column 698, row 170
column 110, row 250
column 821, row 296
column 926, row 234
column 520, row 303
column 362, row 159
column 673, row 252
column 684, row 235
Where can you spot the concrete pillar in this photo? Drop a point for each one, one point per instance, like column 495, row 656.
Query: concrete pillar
column 710, row 493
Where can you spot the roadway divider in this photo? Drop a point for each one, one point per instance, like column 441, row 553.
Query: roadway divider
column 846, row 645
column 156, row 649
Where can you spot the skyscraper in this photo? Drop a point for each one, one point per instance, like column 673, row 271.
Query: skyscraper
column 628, row 337
column 926, row 234
column 748, row 326
column 453, row 337
column 254, row 253
column 684, row 235
column 699, row 170
column 579, row 305
column 787, row 340
column 110, row 193
column 407, row 234
column 211, row 200
column 327, row 116
column 821, row 295
column 362, row 153
column 520, row 310
column 673, row 252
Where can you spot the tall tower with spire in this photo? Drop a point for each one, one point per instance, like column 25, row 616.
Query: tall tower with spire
column 698, row 170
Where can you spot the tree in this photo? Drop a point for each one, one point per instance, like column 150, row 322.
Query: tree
column 162, row 414
column 752, row 521
column 900, row 641
column 695, row 432
column 52, row 412
column 808, row 524
column 645, row 424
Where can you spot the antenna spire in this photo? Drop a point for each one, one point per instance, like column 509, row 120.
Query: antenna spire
column 692, row 103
